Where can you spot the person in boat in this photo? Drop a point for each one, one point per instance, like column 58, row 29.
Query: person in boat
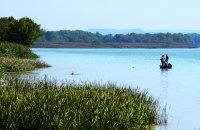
column 162, row 59
column 166, row 60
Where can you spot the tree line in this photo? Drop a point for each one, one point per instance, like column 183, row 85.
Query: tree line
column 25, row 31
column 84, row 36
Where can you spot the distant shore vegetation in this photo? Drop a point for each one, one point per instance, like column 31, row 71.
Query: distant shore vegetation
column 88, row 39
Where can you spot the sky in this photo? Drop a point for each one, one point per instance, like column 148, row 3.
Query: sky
column 54, row 15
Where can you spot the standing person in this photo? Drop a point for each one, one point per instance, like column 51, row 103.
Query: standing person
column 162, row 59
column 166, row 60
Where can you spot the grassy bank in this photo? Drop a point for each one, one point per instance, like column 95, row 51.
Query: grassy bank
column 42, row 104
column 17, row 58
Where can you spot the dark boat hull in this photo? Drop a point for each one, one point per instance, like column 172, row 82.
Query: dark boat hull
column 169, row 66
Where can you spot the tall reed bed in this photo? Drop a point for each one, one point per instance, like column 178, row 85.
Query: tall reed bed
column 16, row 50
column 17, row 58
column 18, row 65
column 43, row 104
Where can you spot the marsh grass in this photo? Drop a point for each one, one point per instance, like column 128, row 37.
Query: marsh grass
column 18, row 58
column 43, row 104
column 16, row 50
column 9, row 64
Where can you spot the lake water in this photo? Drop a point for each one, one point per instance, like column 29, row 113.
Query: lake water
column 177, row 88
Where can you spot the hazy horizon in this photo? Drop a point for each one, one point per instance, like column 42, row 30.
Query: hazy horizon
column 140, row 31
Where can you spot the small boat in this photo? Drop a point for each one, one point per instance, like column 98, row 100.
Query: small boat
column 169, row 66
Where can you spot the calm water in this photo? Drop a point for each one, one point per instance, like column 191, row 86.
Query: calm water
column 178, row 88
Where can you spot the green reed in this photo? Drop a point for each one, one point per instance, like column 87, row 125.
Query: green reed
column 16, row 50
column 8, row 64
column 43, row 104
column 18, row 58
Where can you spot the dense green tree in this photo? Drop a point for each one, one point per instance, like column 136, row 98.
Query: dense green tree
column 6, row 25
column 107, row 38
column 169, row 38
column 161, row 37
column 96, row 42
column 51, row 36
column 195, row 38
column 24, row 31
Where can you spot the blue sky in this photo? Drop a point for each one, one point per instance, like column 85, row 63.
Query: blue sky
column 115, row 14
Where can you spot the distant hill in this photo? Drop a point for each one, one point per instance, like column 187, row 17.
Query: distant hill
column 139, row 31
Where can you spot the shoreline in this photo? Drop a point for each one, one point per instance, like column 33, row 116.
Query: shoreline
column 111, row 45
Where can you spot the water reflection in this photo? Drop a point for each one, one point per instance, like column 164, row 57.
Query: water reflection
column 164, row 84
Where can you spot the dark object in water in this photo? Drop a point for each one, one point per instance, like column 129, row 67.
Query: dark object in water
column 169, row 66
column 72, row 73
